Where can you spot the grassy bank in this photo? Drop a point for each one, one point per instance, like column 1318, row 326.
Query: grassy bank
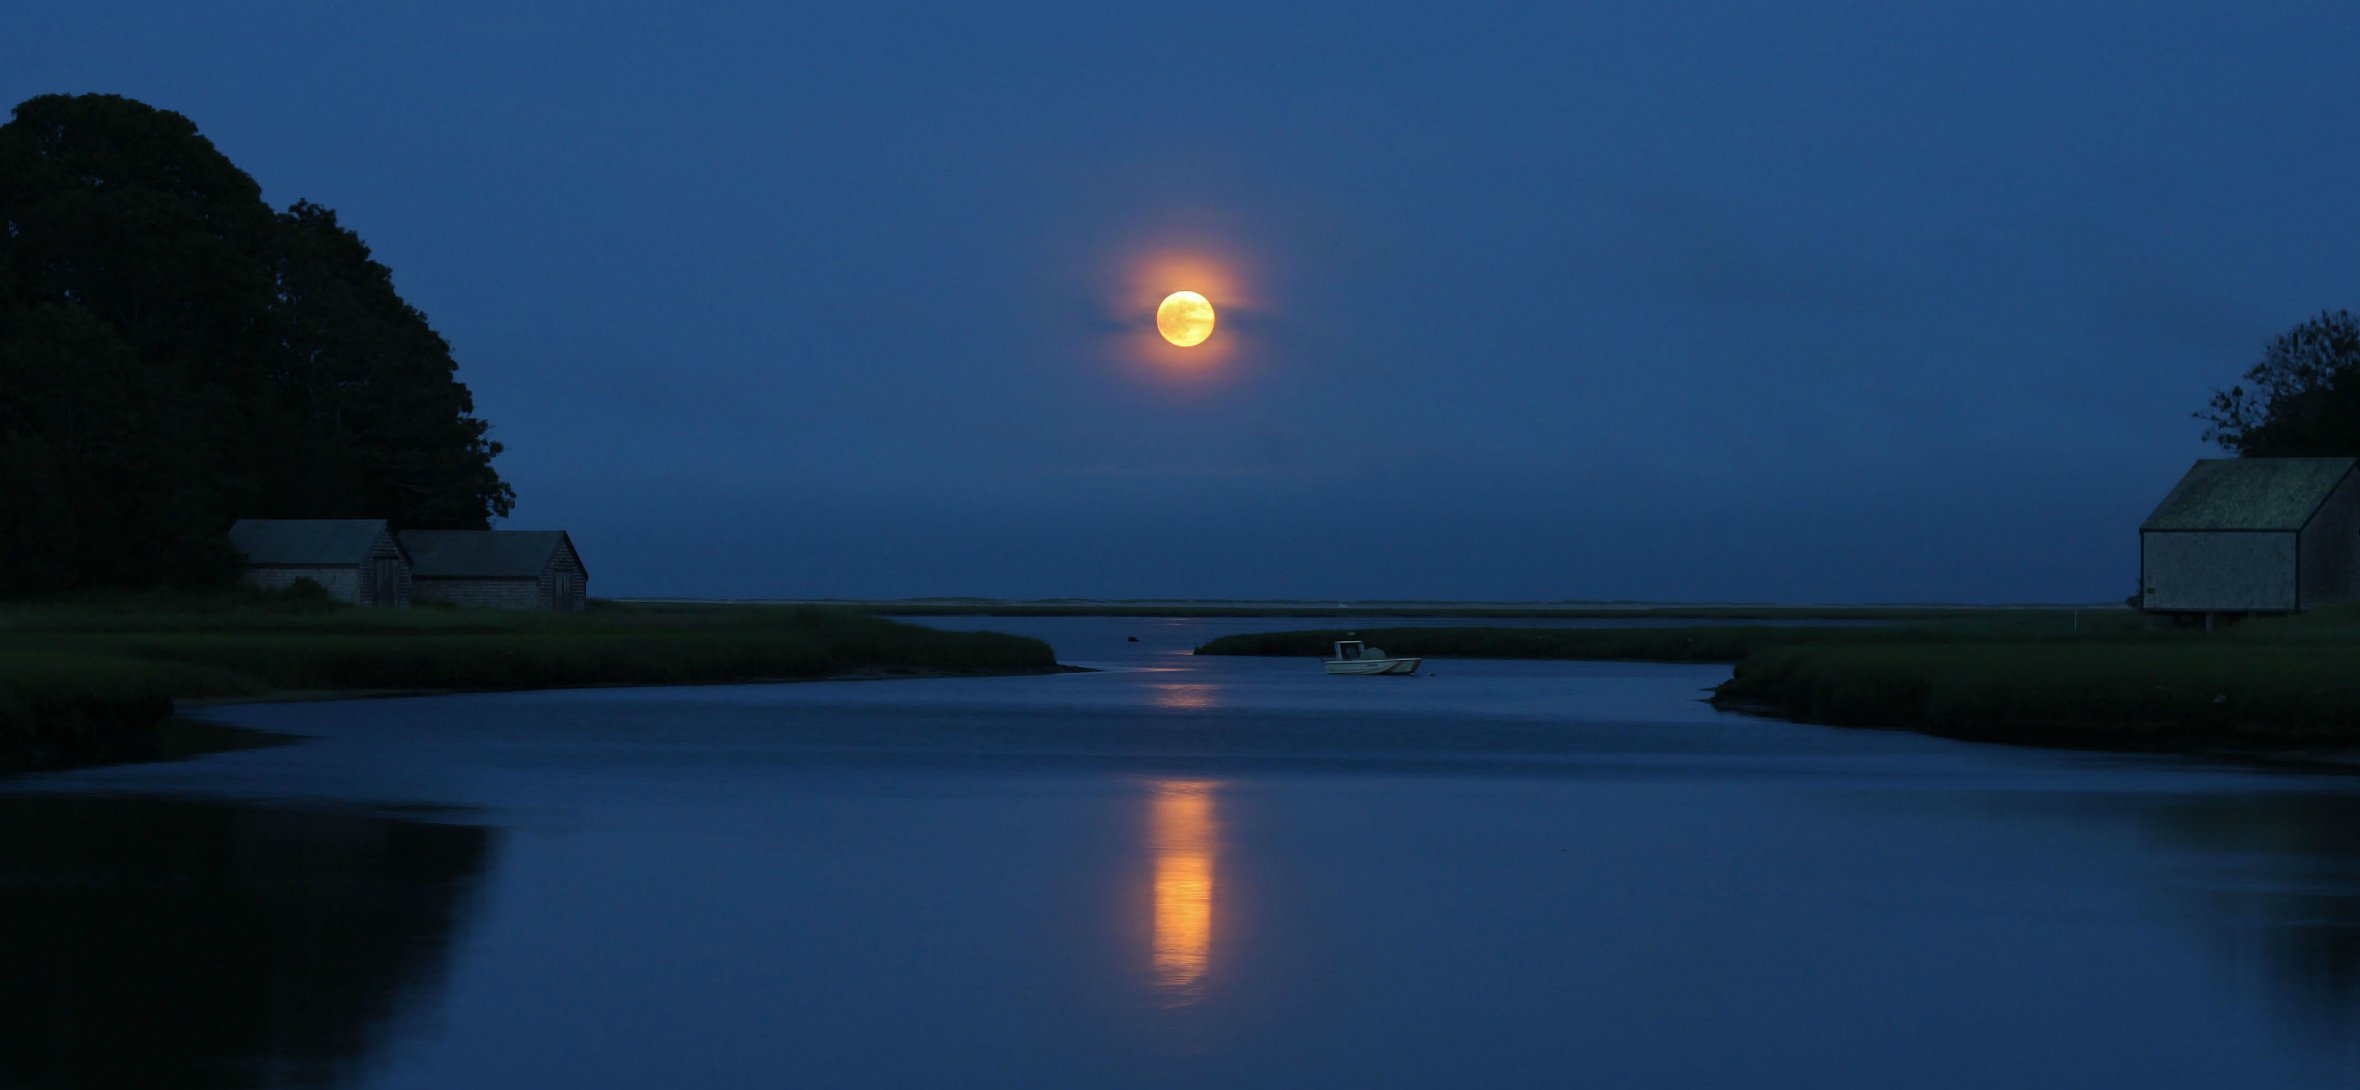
column 1678, row 643
column 2146, row 696
column 80, row 681
column 2098, row 680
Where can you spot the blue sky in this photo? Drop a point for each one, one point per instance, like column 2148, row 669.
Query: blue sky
column 1811, row 302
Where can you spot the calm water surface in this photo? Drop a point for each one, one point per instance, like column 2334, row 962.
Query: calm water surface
column 1172, row 872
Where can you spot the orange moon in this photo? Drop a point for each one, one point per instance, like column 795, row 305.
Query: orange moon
column 1184, row 318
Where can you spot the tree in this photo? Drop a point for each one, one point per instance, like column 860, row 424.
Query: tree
column 2302, row 400
column 102, row 471
column 174, row 354
column 393, row 429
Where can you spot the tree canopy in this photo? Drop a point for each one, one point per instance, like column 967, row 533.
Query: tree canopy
column 2301, row 401
column 175, row 354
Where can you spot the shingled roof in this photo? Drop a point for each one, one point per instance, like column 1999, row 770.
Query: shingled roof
column 2249, row 494
column 307, row 542
column 483, row 554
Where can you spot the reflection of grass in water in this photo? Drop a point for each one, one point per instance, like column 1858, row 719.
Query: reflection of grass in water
column 2265, row 875
column 2294, row 901
column 83, row 683
column 179, row 944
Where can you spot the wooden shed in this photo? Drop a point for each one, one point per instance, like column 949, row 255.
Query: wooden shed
column 2253, row 535
column 354, row 560
column 498, row 569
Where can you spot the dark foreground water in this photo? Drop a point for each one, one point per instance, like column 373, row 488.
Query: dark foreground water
column 1176, row 872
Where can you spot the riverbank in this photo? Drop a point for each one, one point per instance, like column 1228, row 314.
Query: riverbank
column 2097, row 681
column 1720, row 643
column 85, row 682
column 2159, row 697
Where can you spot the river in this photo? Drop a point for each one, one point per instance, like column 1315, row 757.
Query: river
column 1174, row 871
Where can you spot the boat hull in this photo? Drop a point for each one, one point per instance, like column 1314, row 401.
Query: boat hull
column 1372, row 666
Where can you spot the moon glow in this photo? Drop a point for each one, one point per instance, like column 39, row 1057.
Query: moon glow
column 1184, row 318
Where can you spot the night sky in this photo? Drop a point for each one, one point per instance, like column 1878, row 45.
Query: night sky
column 1802, row 302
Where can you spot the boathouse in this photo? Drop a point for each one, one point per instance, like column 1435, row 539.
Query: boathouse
column 354, row 560
column 2241, row 536
column 497, row 569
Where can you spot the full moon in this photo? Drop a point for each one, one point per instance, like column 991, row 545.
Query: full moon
column 1184, row 318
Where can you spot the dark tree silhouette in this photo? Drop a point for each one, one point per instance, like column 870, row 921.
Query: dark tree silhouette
column 373, row 384
column 2301, row 400
column 174, row 354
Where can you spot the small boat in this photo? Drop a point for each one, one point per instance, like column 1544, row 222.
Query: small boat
column 1355, row 657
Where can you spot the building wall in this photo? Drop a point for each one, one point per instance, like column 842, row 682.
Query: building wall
column 565, row 561
column 510, row 592
column 2331, row 548
column 385, row 548
column 482, row 593
column 2218, row 571
column 342, row 583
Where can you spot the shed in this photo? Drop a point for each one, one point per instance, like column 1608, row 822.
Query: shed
column 2253, row 535
column 354, row 560
column 498, row 569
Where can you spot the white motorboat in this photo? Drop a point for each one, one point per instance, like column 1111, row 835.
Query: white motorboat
column 1355, row 657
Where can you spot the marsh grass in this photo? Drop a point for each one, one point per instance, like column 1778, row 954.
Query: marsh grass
column 2099, row 681
column 76, row 677
column 2157, row 695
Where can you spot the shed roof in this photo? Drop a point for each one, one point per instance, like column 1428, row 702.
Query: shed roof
column 2249, row 494
column 519, row 554
column 305, row 541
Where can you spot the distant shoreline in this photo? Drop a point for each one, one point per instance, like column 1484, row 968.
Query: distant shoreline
column 1218, row 607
